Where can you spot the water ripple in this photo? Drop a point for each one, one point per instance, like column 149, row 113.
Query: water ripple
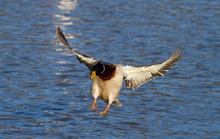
column 44, row 90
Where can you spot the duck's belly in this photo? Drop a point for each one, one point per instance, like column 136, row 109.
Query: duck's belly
column 103, row 89
column 111, row 87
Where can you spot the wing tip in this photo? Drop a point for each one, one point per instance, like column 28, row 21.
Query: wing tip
column 59, row 33
column 58, row 30
column 176, row 55
column 62, row 38
column 179, row 51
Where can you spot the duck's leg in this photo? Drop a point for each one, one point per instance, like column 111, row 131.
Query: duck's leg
column 110, row 100
column 106, row 110
column 93, row 105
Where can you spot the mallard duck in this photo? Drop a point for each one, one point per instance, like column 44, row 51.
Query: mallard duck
column 107, row 78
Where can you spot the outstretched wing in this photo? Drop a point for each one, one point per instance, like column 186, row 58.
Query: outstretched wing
column 136, row 76
column 87, row 60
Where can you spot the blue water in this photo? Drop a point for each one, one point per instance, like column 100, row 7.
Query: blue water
column 44, row 90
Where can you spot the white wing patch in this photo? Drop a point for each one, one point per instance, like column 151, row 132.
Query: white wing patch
column 87, row 60
column 136, row 76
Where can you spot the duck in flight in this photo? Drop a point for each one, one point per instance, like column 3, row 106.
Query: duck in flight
column 107, row 78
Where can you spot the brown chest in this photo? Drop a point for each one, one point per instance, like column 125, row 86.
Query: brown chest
column 109, row 72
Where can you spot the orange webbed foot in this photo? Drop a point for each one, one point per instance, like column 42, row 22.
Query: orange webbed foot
column 93, row 107
column 103, row 113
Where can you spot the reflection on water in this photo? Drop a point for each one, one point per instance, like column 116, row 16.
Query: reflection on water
column 66, row 6
column 44, row 90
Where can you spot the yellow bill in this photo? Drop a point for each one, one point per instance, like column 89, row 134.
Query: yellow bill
column 93, row 74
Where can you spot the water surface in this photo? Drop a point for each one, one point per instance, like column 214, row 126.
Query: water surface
column 44, row 90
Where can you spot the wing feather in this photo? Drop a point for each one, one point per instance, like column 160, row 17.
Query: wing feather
column 137, row 75
column 87, row 60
